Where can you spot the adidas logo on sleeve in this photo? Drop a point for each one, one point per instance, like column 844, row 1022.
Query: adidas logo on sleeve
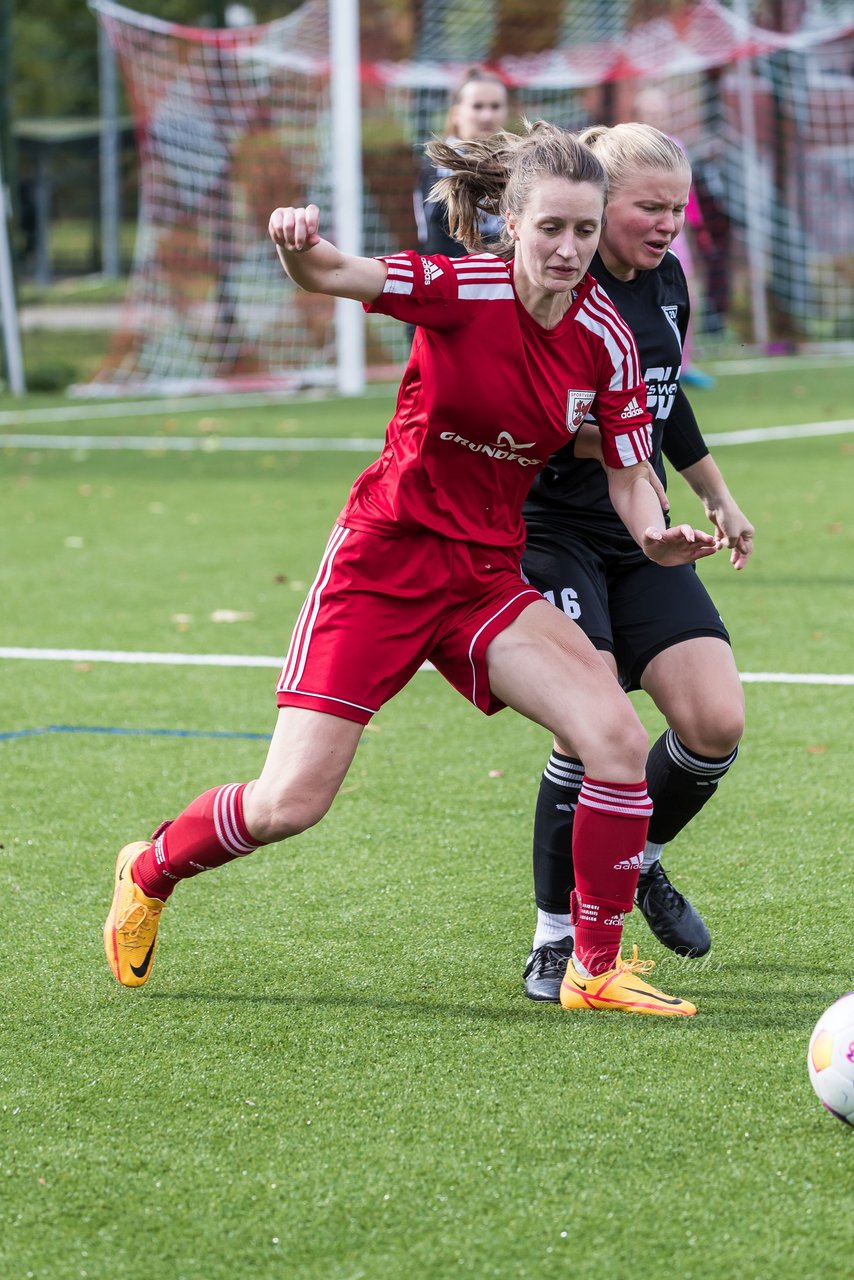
column 432, row 271
column 632, row 409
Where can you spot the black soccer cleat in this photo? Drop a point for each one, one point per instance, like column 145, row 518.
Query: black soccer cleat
column 670, row 916
column 545, row 969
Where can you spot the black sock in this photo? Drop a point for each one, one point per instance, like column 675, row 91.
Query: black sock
column 680, row 782
column 558, row 795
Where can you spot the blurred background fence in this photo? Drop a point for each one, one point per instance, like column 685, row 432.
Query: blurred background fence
column 208, row 126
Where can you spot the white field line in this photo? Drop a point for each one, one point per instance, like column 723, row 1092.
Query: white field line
column 761, row 435
column 329, row 444
column 275, row 663
column 195, row 444
column 772, row 364
column 178, row 404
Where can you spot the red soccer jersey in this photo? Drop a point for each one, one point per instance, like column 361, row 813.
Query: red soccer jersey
column 488, row 395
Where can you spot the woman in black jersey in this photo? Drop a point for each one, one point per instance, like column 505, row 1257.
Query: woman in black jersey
column 657, row 629
column 478, row 108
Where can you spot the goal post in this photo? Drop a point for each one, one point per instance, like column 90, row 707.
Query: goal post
column 346, row 115
column 8, row 307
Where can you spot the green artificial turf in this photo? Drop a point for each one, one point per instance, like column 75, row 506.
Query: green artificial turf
column 333, row 1073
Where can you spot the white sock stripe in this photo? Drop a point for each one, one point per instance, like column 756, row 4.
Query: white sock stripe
column 564, row 773
column 626, row 811
column 224, row 829
column 634, row 804
column 240, row 841
column 613, row 790
column 568, row 782
column 682, row 757
column 224, row 815
column 567, row 763
column 217, row 817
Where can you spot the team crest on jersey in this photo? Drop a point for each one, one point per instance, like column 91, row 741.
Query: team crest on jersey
column 671, row 315
column 431, row 271
column 577, row 406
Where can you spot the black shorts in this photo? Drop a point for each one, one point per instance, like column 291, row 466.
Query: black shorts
column 625, row 604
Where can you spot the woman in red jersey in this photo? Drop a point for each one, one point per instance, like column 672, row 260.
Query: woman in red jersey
column 511, row 351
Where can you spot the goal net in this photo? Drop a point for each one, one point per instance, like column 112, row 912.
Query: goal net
column 231, row 123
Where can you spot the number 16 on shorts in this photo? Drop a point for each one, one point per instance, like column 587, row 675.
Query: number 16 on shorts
column 568, row 602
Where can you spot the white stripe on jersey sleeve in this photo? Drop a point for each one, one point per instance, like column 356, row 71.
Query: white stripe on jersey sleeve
column 634, row 446
column 479, row 259
column 617, row 382
column 482, row 276
column 473, row 291
column 600, row 297
column 400, row 275
column 482, row 273
column 643, row 436
column 597, row 313
column 602, row 307
column 483, row 265
column 598, row 294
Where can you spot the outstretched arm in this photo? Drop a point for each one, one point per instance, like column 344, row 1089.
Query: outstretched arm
column 316, row 265
column 731, row 525
column 588, row 444
column 638, row 506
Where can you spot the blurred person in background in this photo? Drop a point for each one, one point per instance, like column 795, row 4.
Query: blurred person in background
column 657, row 630
column 478, row 108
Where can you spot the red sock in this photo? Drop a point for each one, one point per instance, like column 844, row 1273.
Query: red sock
column 210, row 832
column 608, row 837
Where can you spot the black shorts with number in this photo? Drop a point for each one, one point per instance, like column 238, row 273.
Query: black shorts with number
column 625, row 604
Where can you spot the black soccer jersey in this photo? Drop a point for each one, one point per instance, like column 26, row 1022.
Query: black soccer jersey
column 573, row 492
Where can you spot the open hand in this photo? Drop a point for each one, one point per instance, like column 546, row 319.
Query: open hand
column 679, row 545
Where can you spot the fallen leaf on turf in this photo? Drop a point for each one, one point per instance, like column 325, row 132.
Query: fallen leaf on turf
column 231, row 615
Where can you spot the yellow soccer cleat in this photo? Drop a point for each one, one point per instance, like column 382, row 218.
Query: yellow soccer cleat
column 621, row 988
column 130, row 932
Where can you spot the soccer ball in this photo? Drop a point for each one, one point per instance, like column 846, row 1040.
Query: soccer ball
column 830, row 1058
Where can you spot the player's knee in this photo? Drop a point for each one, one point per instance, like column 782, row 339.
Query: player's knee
column 617, row 746
column 717, row 735
column 633, row 744
column 278, row 815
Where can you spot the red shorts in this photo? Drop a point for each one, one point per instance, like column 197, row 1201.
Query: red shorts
column 380, row 607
